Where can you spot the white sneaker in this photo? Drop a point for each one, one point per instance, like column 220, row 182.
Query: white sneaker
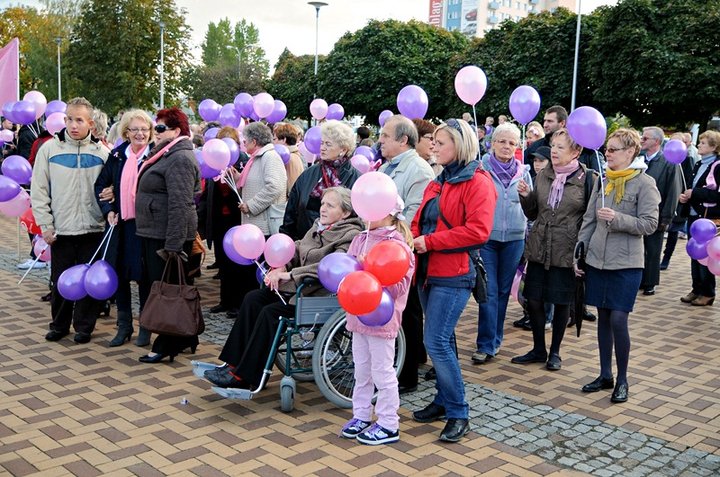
column 29, row 263
column 548, row 325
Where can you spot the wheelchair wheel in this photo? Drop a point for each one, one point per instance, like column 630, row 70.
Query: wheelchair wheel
column 333, row 366
column 302, row 358
column 287, row 394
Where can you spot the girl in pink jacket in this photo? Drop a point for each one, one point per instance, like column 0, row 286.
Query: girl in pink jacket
column 373, row 347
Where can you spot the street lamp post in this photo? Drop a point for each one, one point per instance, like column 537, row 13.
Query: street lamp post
column 318, row 6
column 162, row 65
column 58, row 40
column 577, row 51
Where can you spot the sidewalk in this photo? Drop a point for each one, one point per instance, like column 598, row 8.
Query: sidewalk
column 85, row 410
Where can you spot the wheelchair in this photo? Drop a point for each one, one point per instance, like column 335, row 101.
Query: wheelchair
column 312, row 345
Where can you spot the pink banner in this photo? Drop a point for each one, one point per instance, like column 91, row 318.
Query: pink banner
column 10, row 72
column 436, row 11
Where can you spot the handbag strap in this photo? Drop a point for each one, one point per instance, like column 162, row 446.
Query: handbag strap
column 166, row 272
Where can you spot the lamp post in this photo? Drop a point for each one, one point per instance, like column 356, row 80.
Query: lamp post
column 318, row 6
column 577, row 51
column 58, row 40
column 162, row 65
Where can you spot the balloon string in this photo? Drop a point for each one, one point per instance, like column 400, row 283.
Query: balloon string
column 32, row 267
column 600, row 173
column 107, row 243
column 367, row 239
column 264, row 273
column 682, row 176
column 227, row 177
column 524, row 141
column 475, row 117
column 107, row 234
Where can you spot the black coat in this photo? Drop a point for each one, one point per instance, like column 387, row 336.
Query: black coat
column 702, row 195
column 667, row 180
column 302, row 210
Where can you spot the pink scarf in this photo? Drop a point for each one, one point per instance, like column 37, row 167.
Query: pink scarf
column 710, row 183
column 240, row 182
column 558, row 185
column 128, row 184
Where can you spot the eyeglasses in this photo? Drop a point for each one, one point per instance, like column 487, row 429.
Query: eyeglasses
column 161, row 128
column 139, row 130
column 613, row 150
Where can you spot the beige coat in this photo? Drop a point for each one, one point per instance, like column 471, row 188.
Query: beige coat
column 266, row 184
column 619, row 244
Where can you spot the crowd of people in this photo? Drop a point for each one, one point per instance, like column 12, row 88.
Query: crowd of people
column 471, row 201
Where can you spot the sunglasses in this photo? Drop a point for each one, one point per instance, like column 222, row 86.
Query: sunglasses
column 161, row 128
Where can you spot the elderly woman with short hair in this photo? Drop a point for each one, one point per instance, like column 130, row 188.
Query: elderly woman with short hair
column 425, row 143
column 287, row 135
column 502, row 253
column 556, row 206
column 332, row 170
column 613, row 227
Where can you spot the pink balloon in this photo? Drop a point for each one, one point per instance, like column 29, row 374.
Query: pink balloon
column 374, row 196
column 587, row 127
column 470, row 84
column 361, row 163
column 279, row 250
column 704, row 261
column 318, row 108
column 41, row 249
column 675, row 151
column 263, row 105
column 524, row 104
column 216, row 154
column 713, row 248
column 17, row 205
column 55, row 123
column 38, row 100
column 714, row 267
column 384, row 116
column 6, row 135
column 249, row 241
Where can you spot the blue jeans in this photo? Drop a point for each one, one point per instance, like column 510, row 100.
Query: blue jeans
column 442, row 307
column 501, row 261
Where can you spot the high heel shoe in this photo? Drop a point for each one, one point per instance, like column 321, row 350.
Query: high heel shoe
column 155, row 359
column 120, row 338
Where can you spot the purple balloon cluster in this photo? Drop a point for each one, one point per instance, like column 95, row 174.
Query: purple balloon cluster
column 704, row 246
column 98, row 280
column 14, row 200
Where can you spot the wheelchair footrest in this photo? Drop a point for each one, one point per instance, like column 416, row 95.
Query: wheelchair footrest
column 199, row 368
column 234, row 393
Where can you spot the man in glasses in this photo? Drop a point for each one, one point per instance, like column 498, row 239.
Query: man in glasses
column 668, row 183
column 65, row 208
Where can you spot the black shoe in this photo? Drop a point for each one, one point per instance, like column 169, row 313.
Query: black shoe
column 664, row 265
column 649, row 291
column 121, row 337
column 106, row 309
column 227, row 380
column 530, row 357
column 213, row 266
column 47, row 297
column 620, row 393
column 587, row 316
column 218, row 308
column 554, row 362
column 81, row 338
column 598, row 384
column 522, row 322
column 407, row 389
column 431, row 413
column 431, row 375
column 53, row 335
column 216, row 276
column 155, row 359
column 455, row 429
column 571, row 321
column 216, row 372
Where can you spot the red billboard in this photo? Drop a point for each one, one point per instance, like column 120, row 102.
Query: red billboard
column 436, row 12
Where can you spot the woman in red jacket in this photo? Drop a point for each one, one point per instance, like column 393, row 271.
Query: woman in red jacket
column 455, row 216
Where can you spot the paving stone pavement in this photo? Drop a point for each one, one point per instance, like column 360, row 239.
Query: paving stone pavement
column 68, row 409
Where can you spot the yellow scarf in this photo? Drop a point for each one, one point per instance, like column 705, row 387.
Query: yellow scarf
column 617, row 179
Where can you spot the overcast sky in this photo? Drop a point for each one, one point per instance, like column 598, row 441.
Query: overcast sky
column 291, row 23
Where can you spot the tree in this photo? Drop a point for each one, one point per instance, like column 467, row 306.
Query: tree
column 656, row 61
column 114, row 53
column 366, row 69
column 293, row 82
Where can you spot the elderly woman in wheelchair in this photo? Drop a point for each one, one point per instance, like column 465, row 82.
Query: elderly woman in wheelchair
column 251, row 338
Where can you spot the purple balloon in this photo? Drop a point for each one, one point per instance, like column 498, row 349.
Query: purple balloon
column 278, row 114
column 524, row 104
column 210, row 134
column 284, row 152
column 382, row 314
column 366, row 151
column 587, row 127
column 7, row 110
column 695, row 249
column 313, row 138
column 243, row 104
column 209, row 110
column 335, row 111
column 675, row 151
column 703, row 230
column 55, row 106
column 227, row 116
column 334, row 267
column 9, row 189
column 18, row 169
column 234, row 149
column 101, row 281
column 24, row 112
column 254, row 116
column 259, row 276
column 384, row 116
column 71, row 283
column 412, row 102
column 230, row 250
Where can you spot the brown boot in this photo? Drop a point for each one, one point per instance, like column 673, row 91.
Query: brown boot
column 689, row 297
column 703, row 301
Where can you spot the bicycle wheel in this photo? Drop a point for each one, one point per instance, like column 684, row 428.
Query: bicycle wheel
column 333, row 365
